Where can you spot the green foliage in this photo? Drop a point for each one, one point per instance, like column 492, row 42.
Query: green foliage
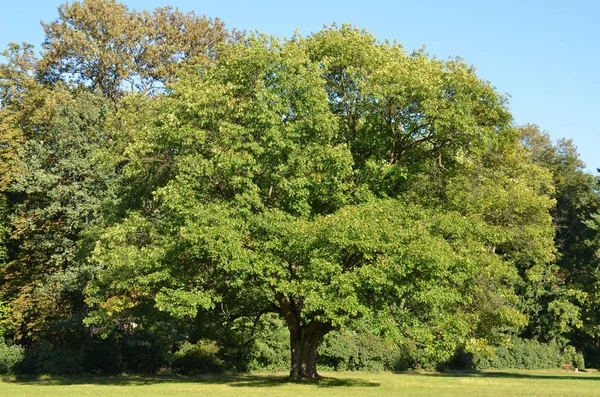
column 146, row 348
column 573, row 357
column 19, row 94
column 44, row 358
column 351, row 351
column 269, row 349
column 273, row 198
column 199, row 358
column 104, row 45
column 335, row 181
column 10, row 357
column 520, row 354
column 569, row 310
column 4, row 316
column 59, row 150
column 3, row 231
column 104, row 356
column 514, row 197
column 58, row 189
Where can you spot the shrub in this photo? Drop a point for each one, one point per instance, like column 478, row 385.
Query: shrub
column 141, row 355
column 349, row 351
column 199, row 358
column 146, row 349
column 104, row 357
column 520, row 354
column 48, row 359
column 573, row 357
column 270, row 351
column 246, row 345
column 10, row 357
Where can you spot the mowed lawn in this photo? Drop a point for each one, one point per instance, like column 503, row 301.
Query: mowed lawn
column 490, row 383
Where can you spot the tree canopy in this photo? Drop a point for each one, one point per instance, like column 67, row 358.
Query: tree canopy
column 287, row 176
column 108, row 47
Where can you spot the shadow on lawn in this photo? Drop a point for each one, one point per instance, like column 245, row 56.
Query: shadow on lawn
column 514, row 375
column 231, row 380
column 272, row 380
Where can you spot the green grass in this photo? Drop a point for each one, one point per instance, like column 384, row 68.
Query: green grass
column 489, row 383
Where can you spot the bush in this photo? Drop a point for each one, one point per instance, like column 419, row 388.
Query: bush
column 520, row 354
column 413, row 355
column 135, row 351
column 199, row 358
column 141, row 355
column 48, row 359
column 270, row 351
column 573, row 357
column 351, row 351
column 104, row 357
column 146, row 349
column 10, row 357
column 245, row 345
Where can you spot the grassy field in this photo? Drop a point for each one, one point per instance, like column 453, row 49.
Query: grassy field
column 496, row 383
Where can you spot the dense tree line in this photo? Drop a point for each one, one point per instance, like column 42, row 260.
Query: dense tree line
column 171, row 189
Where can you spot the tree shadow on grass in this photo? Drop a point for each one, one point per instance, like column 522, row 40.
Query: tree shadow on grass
column 268, row 381
column 230, row 380
column 516, row 375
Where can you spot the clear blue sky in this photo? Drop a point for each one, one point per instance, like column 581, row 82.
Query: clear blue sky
column 545, row 54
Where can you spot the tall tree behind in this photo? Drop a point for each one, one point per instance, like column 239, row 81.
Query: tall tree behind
column 16, row 81
column 573, row 312
column 106, row 46
column 57, row 191
column 589, row 340
column 576, row 198
column 17, row 102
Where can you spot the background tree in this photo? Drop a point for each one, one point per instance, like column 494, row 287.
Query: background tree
column 589, row 341
column 570, row 315
column 514, row 196
column 57, row 191
column 105, row 46
column 16, row 104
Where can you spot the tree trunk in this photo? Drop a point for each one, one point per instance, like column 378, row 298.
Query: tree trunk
column 304, row 340
column 304, row 343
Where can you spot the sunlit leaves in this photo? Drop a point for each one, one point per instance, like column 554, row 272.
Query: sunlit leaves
column 283, row 174
column 108, row 47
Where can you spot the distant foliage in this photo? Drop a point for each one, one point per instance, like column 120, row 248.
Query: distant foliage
column 10, row 357
column 104, row 357
column 521, row 354
column 104, row 45
column 199, row 358
column 47, row 359
column 350, row 351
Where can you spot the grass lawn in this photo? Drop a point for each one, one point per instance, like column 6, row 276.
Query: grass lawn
column 489, row 383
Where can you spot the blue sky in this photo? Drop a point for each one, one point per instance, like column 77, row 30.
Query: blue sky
column 544, row 54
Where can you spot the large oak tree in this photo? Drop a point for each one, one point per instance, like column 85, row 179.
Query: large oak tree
column 281, row 180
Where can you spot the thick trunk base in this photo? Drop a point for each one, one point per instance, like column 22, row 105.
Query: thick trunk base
column 304, row 339
column 304, row 343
